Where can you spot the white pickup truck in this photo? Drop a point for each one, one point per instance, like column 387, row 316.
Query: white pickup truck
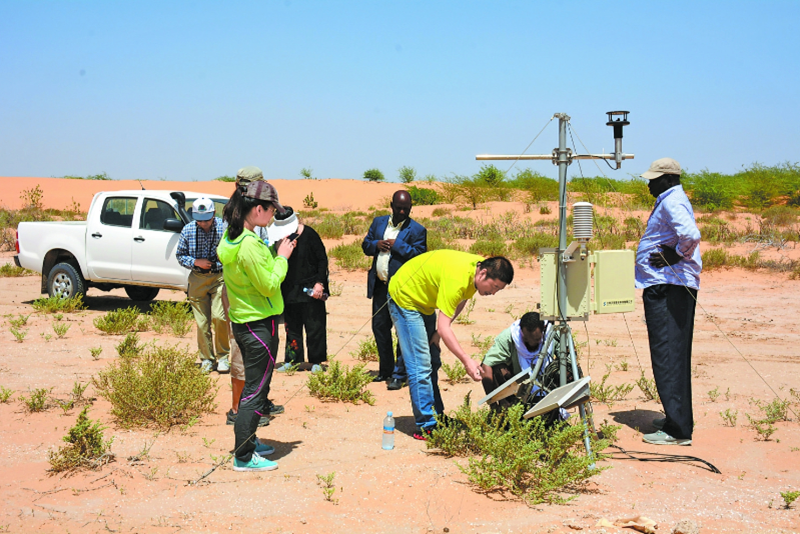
column 128, row 240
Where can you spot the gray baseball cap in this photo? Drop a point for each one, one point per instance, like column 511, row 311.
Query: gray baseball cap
column 660, row 167
column 264, row 191
column 248, row 174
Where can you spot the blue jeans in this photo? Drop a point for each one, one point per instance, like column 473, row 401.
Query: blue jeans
column 423, row 360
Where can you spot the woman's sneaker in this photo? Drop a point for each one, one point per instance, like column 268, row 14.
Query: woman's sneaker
column 256, row 463
column 262, row 449
column 223, row 366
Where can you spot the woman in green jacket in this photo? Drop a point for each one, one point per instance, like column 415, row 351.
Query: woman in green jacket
column 253, row 274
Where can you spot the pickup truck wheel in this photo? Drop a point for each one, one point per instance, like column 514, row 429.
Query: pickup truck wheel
column 141, row 293
column 65, row 281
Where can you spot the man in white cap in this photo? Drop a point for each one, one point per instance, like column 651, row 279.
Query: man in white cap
column 197, row 251
column 668, row 269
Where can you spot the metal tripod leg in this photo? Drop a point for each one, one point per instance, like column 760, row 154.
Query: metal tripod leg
column 582, row 406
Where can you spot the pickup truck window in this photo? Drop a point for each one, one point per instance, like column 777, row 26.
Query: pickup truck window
column 118, row 211
column 154, row 213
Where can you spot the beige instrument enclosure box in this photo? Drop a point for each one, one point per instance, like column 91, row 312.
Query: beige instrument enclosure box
column 613, row 283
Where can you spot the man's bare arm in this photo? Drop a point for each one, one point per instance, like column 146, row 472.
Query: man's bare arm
column 445, row 331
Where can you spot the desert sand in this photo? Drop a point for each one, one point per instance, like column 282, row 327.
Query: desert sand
column 746, row 342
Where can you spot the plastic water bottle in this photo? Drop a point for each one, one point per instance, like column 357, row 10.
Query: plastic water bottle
column 310, row 291
column 388, row 432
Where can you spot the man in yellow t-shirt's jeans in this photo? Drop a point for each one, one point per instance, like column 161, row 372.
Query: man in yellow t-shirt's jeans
column 441, row 280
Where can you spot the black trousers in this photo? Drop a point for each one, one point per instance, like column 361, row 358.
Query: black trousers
column 258, row 342
column 382, row 330
column 313, row 317
column 669, row 312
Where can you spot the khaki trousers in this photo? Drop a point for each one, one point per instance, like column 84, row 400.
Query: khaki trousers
column 205, row 297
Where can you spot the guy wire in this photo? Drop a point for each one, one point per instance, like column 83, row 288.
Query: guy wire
column 529, row 144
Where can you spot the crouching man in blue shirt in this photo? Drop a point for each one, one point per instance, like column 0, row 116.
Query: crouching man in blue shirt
column 668, row 268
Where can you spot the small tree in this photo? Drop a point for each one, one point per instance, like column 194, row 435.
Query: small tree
column 490, row 175
column 305, row 172
column 407, row 174
column 373, row 175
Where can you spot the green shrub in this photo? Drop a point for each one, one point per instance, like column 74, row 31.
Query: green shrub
column 367, row 350
column 634, row 228
column 715, row 230
column 309, row 202
column 715, row 258
column 440, row 212
column 374, row 175
column 465, row 191
column 307, row 173
column 407, row 174
column 507, row 454
column 56, row 304
column 155, row 385
column 129, row 347
column 789, row 497
column 423, row 196
column 102, row 176
column 9, row 270
column 350, row 257
column 61, row 329
column 225, row 179
column 175, row 316
column 530, row 245
column 710, row 191
column 455, row 373
column 86, row 447
column 340, row 383
column 648, row 388
column 5, row 394
column 122, row 321
column 609, row 394
column 437, row 242
column 37, row 401
column 488, row 248
column 538, row 187
column 490, row 175
column 780, row 216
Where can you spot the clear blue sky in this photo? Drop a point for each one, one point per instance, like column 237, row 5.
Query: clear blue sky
column 195, row 90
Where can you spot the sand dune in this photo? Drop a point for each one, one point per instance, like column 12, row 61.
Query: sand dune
column 334, row 194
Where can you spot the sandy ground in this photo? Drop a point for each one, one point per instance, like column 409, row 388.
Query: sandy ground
column 743, row 317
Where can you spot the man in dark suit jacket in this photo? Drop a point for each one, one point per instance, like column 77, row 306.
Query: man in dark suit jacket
column 391, row 241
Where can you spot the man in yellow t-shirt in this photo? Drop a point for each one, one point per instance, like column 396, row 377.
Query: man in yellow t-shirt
column 441, row 280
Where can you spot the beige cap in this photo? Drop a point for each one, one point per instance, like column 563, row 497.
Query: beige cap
column 662, row 166
column 248, row 174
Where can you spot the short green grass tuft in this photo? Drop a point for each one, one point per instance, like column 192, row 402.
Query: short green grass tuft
column 8, row 270
column 122, row 321
column 350, row 257
column 367, row 350
column 59, row 305
column 341, row 384
column 173, row 316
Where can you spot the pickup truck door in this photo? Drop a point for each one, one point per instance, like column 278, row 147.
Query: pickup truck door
column 154, row 258
column 109, row 235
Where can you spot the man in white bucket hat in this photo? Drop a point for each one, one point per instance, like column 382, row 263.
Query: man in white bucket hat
column 197, row 251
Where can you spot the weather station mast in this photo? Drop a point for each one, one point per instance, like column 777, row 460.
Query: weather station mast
column 566, row 275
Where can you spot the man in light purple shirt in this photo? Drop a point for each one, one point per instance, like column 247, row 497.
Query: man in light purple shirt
column 668, row 268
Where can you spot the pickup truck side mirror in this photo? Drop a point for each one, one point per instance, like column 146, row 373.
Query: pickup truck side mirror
column 173, row 225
